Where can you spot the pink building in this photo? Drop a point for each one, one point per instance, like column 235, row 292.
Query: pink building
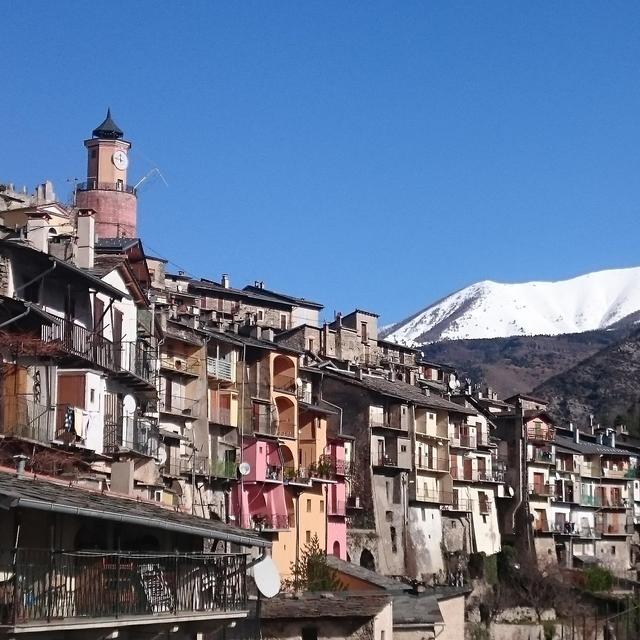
column 336, row 500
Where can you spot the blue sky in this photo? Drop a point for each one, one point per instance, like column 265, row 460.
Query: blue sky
column 376, row 154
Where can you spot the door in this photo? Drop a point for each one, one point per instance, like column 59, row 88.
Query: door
column 380, row 459
column 71, row 395
column 538, row 483
column 468, row 468
column 482, row 468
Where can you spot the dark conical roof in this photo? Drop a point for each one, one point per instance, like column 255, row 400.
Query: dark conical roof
column 108, row 129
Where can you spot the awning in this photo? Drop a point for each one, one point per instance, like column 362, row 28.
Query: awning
column 45, row 495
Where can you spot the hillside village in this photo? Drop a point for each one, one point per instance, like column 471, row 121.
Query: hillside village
column 165, row 440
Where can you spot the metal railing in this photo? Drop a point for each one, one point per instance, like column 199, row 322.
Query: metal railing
column 336, row 508
column 599, row 500
column 608, row 472
column 540, row 455
column 95, row 185
column 464, row 474
column 76, row 340
column 49, row 586
column 439, row 497
column 273, row 472
column 389, row 460
column 269, row 521
column 220, row 369
column 543, row 489
column 432, row 463
column 611, row 527
column 286, row 428
column 467, row 441
column 387, row 421
column 491, row 476
column 541, row 434
column 263, row 422
column 131, row 433
column 284, row 382
column 179, row 405
column 220, row 415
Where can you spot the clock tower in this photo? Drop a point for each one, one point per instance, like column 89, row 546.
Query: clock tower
column 106, row 190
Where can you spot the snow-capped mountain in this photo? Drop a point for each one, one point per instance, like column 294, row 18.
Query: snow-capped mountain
column 492, row 309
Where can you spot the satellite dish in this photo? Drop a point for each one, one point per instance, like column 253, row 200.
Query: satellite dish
column 267, row 577
column 453, row 382
column 162, row 455
column 244, row 468
column 129, row 404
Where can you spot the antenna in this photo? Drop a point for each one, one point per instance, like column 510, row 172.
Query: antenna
column 154, row 172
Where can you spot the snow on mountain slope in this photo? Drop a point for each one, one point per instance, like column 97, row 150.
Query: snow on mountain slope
column 492, row 309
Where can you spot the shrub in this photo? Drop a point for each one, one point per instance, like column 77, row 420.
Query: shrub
column 598, row 579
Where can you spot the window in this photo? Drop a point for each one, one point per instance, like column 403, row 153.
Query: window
column 394, row 540
column 92, row 395
column 403, row 448
column 119, row 185
column 260, row 314
column 308, row 506
column 388, row 516
column 613, row 551
column 382, row 634
column 387, row 488
column 309, row 633
column 363, row 332
column 94, row 153
column 283, row 321
column 310, row 344
column 321, row 506
column 307, row 536
column 424, row 514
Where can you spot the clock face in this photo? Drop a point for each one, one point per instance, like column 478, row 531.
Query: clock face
column 120, row 160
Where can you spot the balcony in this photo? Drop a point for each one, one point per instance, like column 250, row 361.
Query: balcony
column 611, row 527
column 426, row 463
column 387, row 460
column 587, row 500
column 540, row 434
column 482, row 439
column 354, row 502
column 470, row 475
column 542, row 490
column 491, row 476
column 77, row 342
column 49, row 589
column 273, row 473
column 434, row 496
column 272, row 521
column 178, row 405
column 589, row 533
column 284, row 383
column 608, row 472
column 220, row 369
column 94, row 185
column 21, row 417
column 458, row 503
column 386, row 422
column 590, row 470
column 336, row 508
column 285, row 428
column 220, row 415
column 195, row 465
column 131, row 434
column 603, row 501
column 542, row 456
column 181, row 364
column 463, row 441
column 262, row 420
column 361, row 520
column 568, row 495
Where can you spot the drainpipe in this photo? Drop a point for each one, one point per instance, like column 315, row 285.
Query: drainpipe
column 38, row 277
column 16, row 318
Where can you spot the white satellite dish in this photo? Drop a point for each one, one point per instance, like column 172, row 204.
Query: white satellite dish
column 129, row 404
column 453, row 382
column 244, row 468
column 267, row 577
column 162, row 455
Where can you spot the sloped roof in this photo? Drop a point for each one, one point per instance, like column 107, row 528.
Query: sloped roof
column 366, row 575
column 48, row 495
column 341, row 604
column 108, row 129
column 299, row 302
column 416, row 609
column 400, row 390
column 591, row 448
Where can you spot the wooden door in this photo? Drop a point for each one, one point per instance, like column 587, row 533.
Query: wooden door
column 538, row 483
column 468, row 468
column 71, row 393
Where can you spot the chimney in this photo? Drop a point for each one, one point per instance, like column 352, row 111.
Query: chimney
column 122, row 477
column 86, row 231
column 576, row 435
column 256, row 332
column 268, row 334
column 21, row 463
column 339, row 318
column 38, row 234
column 225, row 280
column 612, row 438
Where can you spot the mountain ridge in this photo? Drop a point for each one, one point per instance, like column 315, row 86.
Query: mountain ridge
column 490, row 309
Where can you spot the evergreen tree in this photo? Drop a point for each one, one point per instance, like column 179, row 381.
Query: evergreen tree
column 311, row 572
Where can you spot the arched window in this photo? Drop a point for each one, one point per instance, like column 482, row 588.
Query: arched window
column 336, row 549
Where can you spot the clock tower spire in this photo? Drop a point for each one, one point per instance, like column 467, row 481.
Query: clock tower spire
column 106, row 190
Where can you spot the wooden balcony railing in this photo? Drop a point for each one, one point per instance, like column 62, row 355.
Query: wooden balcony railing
column 544, row 490
column 47, row 587
column 541, row 434
column 432, row 463
column 220, row 369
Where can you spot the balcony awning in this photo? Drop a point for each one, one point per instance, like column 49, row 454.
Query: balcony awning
column 47, row 495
